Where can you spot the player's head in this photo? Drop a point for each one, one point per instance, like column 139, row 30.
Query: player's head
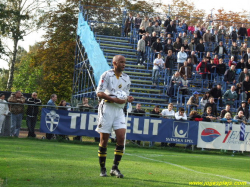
column 119, row 62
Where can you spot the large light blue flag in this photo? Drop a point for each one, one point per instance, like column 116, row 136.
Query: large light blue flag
column 92, row 48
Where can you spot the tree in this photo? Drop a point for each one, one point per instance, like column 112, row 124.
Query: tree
column 19, row 18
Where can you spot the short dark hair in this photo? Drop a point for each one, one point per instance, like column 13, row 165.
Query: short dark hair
column 52, row 95
column 181, row 109
column 1, row 94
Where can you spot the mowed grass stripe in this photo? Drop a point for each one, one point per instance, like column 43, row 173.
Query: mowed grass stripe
column 26, row 162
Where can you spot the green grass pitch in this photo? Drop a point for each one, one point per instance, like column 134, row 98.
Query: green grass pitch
column 42, row 163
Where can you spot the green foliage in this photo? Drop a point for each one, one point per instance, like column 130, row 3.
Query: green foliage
column 3, row 78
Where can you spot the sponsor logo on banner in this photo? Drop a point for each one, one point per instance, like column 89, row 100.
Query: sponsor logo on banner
column 180, row 129
column 52, row 120
column 209, row 134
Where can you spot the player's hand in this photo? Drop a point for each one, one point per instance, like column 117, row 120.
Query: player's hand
column 130, row 99
column 119, row 101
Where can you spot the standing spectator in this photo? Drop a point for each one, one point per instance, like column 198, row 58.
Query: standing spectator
column 150, row 29
column 157, row 47
column 213, row 106
column 233, row 27
column 168, row 113
column 243, row 75
column 246, row 88
column 171, row 28
column 185, row 70
column 189, row 63
column 193, row 101
column 186, row 48
column 243, row 50
column 235, row 50
column 184, row 87
column 207, row 37
column 175, row 83
column 234, row 35
column 220, row 50
column 244, row 108
column 216, row 93
column 128, row 24
column 141, row 51
column 168, row 46
column 216, row 60
column 158, row 65
column 181, row 58
column 177, row 45
column 157, row 28
column 226, row 110
column 52, row 106
column 32, row 112
column 242, row 32
column 246, row 56
column 221, row 33
column 214, row 37
column 229, row 75
column 147, row 40
column 196, row 39
column 192, row 45
column 200, row 48
column 239, row 90
column 204, row 100
column 169, row 63
column 202, row 68
column 230, row 96
column 167, row 22
column 184, row 37
column 221, row 69
column 138, row 21
column 141, row 32
column 4, row 110
column 145, row 22
column 191, row 28
column 232, row 61
column 16, row 110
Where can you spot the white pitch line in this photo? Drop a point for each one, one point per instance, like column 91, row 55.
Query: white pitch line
column 188, row 168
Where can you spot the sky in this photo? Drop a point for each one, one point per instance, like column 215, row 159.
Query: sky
column 199, row 4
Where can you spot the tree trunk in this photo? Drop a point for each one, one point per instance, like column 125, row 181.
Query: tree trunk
column 12, row 66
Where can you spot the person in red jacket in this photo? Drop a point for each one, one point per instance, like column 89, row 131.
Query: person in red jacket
column 202, row 68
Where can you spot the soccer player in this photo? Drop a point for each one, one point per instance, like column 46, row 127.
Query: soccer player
column 113, row 89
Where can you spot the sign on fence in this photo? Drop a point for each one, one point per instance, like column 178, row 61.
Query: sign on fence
column 138, row 128
column 213, row 136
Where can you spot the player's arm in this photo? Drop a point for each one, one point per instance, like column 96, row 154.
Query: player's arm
column 102, row 95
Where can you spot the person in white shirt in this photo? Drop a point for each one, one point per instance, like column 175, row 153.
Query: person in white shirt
column 4, row 110
column 181, row 115
column 181, row 57
column 168, row 113
column 158, row 64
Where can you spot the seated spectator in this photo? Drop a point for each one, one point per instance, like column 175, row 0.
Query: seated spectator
column 181, row 115
column 169, row 63
column 240, row 117
column 179, row 28
column 191, row 28
column 168, row 46
column 184, row 37
column 181, row 58
column 216, row 59
column 177, row 45
column 193, row 58
column 158, row 65
column 243, row 74
column 235, row 51
column 162, row 38
column 228, row 119
column 185, row 70
column 244, row 107
column 240, row 66
column 247, row 64
column 238, row 90
column 189, row 64
column 194, row 116
column 213, row 105
column 157, row 47
column 196, row 40
column 204, row 100
column 200, row 48
column 208, row 115
column 221, row 69
column 168, row 113
column 193, row 101
column 138, row 112
column 192, row 46
column 230, row 96
column 224, row 111
column 167, row 21
column 168, row 38
column 175, row 83
column 246, row 89
column 184, row 87
column 232, row 61
column 220, row 50
column 229, row 75
column 185, row 45
column 158, row 19
column 150, row 29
